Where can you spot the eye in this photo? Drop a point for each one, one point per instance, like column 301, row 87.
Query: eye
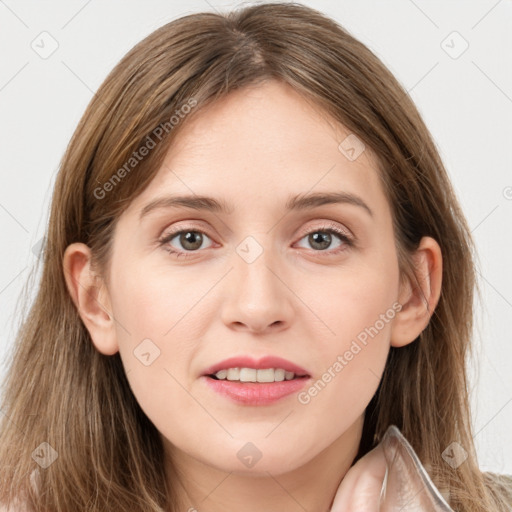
column 321, row 239
column 190, row 240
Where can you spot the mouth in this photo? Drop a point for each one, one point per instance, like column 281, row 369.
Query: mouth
column 246, row 381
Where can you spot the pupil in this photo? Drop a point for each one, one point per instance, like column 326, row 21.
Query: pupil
column 189, row 237
column 323, row 239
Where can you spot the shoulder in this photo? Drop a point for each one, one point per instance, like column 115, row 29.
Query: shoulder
column 20, row 504
column 500, row 485
column 14, row 507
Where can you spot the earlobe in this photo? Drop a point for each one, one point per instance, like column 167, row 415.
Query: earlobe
column 90, row 296
column 419, row 297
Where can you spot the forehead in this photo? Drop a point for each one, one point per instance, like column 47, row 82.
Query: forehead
column 264, row 144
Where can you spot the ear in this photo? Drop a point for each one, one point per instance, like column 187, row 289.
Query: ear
column 90, row 296
column 420, row 297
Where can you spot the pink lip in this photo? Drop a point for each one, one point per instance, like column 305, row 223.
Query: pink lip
column 260, row 364
column 256, row 393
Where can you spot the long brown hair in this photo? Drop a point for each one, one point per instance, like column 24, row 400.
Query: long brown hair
column 60, row 390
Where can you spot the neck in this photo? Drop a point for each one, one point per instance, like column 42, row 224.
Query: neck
column 312, row 486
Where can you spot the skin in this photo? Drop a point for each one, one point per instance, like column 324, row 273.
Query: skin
column 254, row 149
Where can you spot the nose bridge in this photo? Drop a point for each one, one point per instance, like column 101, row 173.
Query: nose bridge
column 257, row 296
column 253, row 262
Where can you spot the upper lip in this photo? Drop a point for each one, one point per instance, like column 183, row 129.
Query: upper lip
column 258, row 364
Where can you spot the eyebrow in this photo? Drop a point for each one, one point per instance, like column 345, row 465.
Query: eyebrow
column 295, row 203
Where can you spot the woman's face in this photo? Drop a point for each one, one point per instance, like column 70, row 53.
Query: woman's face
column 268, row 276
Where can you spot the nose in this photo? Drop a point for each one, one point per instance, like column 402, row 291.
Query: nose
column 257, row 297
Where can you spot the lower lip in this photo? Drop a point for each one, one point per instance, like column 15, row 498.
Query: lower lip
column 256, row 393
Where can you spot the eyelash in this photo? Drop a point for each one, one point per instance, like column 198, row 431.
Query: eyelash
column 328, row 228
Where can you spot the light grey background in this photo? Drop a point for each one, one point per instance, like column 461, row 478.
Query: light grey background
column 466, row 102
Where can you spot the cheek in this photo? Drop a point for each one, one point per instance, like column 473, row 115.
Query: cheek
column 357, row 307
column 155, row 303
column 159, row 317
column 355, row 304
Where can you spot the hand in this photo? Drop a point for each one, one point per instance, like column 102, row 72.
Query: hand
column 360, row 489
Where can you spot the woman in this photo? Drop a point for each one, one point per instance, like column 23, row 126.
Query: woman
column 191, row 346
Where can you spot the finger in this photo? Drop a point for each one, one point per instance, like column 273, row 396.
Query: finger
column 361, row 487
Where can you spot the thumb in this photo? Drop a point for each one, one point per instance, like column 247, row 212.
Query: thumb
column 361, row 487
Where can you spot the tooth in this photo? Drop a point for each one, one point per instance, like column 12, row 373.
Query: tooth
column 221, row 374
column 279, row 374
column 266, row 375
column 233, row 374
column 248, row 375
column 253, row 375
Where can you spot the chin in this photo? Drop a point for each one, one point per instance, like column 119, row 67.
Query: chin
column 260, row 457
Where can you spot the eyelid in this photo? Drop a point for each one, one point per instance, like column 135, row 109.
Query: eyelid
column 185, row 225
column 325, row 225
